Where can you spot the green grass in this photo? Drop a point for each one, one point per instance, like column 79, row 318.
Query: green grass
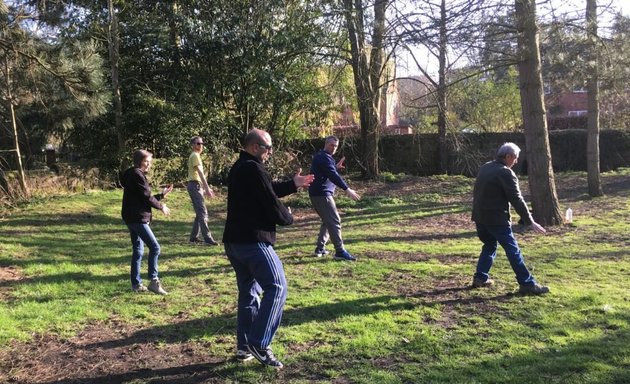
column 402, row 314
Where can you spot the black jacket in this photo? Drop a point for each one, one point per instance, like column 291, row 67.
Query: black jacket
column 137, row 200
column 253, row 205
column 496, row 188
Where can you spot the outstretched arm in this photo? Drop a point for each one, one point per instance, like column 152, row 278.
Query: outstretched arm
column 302, row 181
column 340, row 163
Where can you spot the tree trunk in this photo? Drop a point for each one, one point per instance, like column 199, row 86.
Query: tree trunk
column 441, row 92
column 114, row 58
column 367, row 77
column 174, row 38
column 592, row 86
column 544, row 198
column 16, row 140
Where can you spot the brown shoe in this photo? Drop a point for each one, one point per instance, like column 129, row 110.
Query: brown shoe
column 478, row 283
column 535, row 289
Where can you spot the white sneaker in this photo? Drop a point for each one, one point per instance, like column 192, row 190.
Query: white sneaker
column 320, row 252
column 244, row 356
column 156, row 287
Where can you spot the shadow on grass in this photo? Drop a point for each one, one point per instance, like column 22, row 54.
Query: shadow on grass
column 225, row 324
column 49, row 223
column 412, row 238
column 100, row 279
column 602, row 360
column 186, row 374
column 382, row 214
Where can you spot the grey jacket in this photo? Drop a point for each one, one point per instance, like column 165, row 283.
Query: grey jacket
column 496, row 188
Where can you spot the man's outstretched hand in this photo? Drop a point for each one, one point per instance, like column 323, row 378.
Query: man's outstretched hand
column 340, row 163
column 352, row 194
column 302, row 181
column 538, row 228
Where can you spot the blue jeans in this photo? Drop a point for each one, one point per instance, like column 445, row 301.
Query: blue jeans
column 490, row 235
column 141, row 234
column 258, row 271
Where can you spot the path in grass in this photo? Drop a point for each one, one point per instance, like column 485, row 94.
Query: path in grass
column 403, row 313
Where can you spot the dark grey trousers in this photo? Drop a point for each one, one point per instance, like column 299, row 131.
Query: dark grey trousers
column 201, row 213
column 331, row 222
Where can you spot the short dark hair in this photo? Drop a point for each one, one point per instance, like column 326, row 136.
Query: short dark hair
column 139, row 156
column 331, row 138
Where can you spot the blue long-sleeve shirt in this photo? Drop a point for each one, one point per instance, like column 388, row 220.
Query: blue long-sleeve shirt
column 326, row 178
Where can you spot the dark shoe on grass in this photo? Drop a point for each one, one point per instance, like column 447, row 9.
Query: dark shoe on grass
column 266, row 357
column 344, row 255
column 210, row 242
column 243, row 356
column 535, row 289
column 478, row 283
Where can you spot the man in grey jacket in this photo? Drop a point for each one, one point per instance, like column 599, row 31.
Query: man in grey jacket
column 496, row 188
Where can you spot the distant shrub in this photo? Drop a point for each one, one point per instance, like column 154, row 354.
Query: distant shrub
column 390, row 177
column 168, row 171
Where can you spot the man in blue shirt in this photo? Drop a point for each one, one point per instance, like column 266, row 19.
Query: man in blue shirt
column 321, row 192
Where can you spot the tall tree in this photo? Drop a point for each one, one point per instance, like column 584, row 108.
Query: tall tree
column 542, row 186
column 113, row 44
column 52, row 83
column 367, row 60
column 9, row 36
column 592, row 86
column 447, row 30
column 16, row 137
column 441, row 89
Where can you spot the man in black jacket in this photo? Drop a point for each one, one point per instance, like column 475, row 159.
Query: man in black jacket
column 496, row 188
column 253, row 211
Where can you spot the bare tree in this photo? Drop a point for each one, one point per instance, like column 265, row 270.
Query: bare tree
column 592, row 86
column 449, row 32
column 367, row 63
column 545, row 205
column 16, row 140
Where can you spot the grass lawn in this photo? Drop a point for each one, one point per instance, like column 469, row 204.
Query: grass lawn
column 404, row 313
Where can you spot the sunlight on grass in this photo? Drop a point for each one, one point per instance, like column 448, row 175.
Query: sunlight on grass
column 403, row 313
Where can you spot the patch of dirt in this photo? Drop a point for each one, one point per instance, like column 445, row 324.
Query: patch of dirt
column 10, row 273
column 8, row 276
column 106, row 353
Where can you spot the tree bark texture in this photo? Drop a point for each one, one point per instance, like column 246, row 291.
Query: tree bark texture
column 16, row 139
column 114, row 59
column 544, row 198
column 367, row 71
column 592, row 86
column 441, row 92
